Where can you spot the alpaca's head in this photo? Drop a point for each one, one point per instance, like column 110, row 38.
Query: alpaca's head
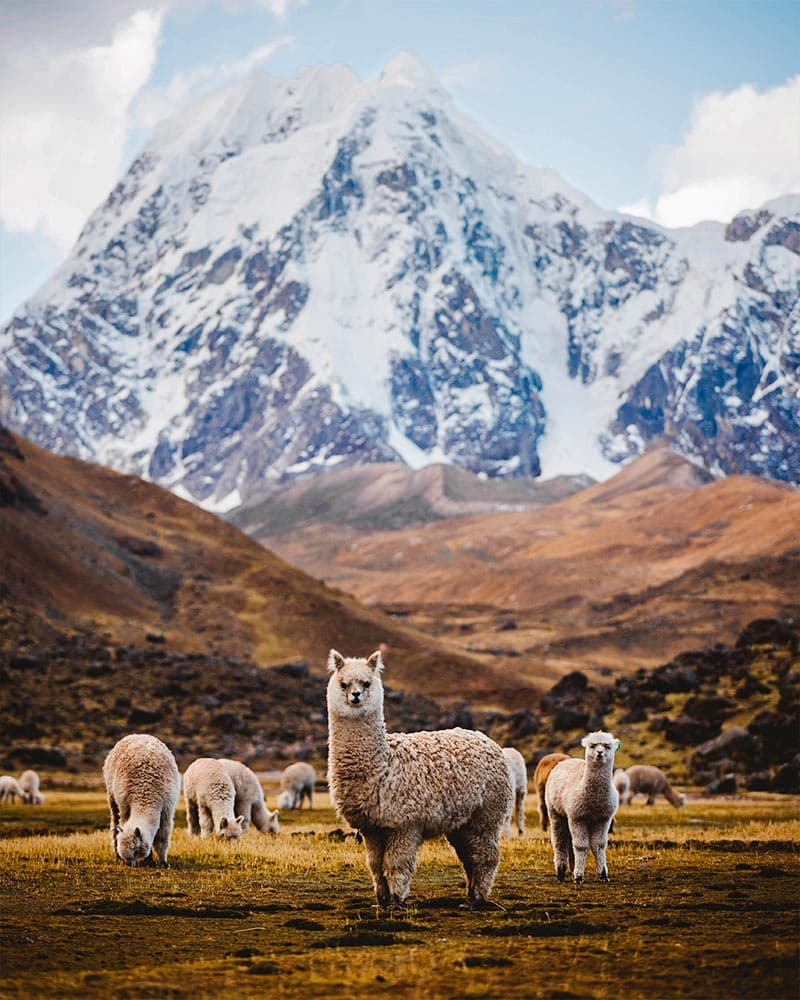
column 354, row 688
column 600, row 747
column 230, row 829
column 132, row 847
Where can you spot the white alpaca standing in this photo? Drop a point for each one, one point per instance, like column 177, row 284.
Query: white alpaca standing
column 210, row 796
column 651, row 781
column 10, row 789
column 297, row 783
column 143, row 785
column 399, row 789
column 581, row 801
column 29, row 783
column 518, row 773
column 249, row 802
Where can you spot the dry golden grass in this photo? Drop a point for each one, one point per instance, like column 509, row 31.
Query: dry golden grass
column 702, row 903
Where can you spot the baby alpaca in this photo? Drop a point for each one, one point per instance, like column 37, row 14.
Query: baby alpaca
column 518, row 774
column 249, row 802
column 399, row 789
column 540, row 776
column 581, row 802
column 651, row 781
column 10, row 789
column 209, row 795
column 29, row 783
column 297, row 783
column 143, row 785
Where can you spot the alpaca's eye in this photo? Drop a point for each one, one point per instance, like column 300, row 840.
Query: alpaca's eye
column 343, row 686
column 367, row 684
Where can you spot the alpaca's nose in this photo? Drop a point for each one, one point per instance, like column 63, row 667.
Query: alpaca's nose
column 355, row 697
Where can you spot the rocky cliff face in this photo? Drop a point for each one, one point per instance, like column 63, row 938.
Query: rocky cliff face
column 298, row 274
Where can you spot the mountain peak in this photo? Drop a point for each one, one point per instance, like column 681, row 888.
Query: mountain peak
column 407, row 70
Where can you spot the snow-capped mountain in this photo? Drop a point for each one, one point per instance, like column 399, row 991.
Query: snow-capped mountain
column 299, row 273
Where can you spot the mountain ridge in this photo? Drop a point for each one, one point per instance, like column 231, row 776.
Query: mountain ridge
column 301, row 273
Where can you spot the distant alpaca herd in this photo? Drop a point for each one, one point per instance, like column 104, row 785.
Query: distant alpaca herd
column 395, row 789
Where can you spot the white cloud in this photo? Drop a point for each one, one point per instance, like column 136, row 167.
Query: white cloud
column 63, row 125
column 157, row 103
column 280, row 8
column 741, row 149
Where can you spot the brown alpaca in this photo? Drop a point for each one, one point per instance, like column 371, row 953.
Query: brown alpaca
column 540, row 776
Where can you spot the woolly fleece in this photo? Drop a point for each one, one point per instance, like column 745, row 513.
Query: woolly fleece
column 581, row 801
column 143, row 785
column 401, row 788
column 249, row 802
column 209, row 795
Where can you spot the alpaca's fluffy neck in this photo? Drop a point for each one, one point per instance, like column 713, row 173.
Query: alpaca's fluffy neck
column 358, row 757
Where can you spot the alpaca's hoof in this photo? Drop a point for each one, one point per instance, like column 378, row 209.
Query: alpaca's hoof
column 561, row 873
column 578, row 879
column 603, row 876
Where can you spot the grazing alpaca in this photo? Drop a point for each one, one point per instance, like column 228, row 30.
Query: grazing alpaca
column 249, row 801
column 651, row 781
column 581, row 802
column 209, row 795
column 143, row 784
column 297, row 783
column 540, row 776
column 29, row 783
column 399, row 789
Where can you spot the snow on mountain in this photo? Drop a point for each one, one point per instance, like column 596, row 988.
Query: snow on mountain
column 301, row 273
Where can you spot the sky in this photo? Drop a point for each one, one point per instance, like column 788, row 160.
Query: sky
column 675, row 110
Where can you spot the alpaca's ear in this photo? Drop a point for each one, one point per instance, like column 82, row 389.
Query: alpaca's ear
column 617, row 745
column 240, row 821
column 585, row 741
column 223, row 823
column 375, row 662
column 335, row 661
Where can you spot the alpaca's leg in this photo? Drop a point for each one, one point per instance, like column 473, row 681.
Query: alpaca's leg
column 162, row 838
column 543, row 810
column 400, row 863
column 562, row 845
column 651, row 798
column 192, row 817
column 520, row 810
column 599, row 842
column 579, row 834
column 478, row 851
column 206, row 820
column 373, row 846
column 112, row 804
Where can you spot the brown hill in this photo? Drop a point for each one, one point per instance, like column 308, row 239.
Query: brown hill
column 389, row 495
column 626, row 573
column 84, row 549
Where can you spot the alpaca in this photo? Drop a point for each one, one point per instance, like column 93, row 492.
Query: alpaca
column 540, row 776
column 622, row 783
column 581, row 802
column 249, row 802
column 297, row 784
column 399, row 789
column 651, row 781
column 519, row 783
column 209, row 795
column 10, row 789
column 29, row 783
column 143, row 785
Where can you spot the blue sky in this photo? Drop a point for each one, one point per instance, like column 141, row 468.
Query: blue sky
column 675, row 109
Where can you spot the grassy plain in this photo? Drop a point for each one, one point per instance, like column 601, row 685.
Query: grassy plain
column 703, row 903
